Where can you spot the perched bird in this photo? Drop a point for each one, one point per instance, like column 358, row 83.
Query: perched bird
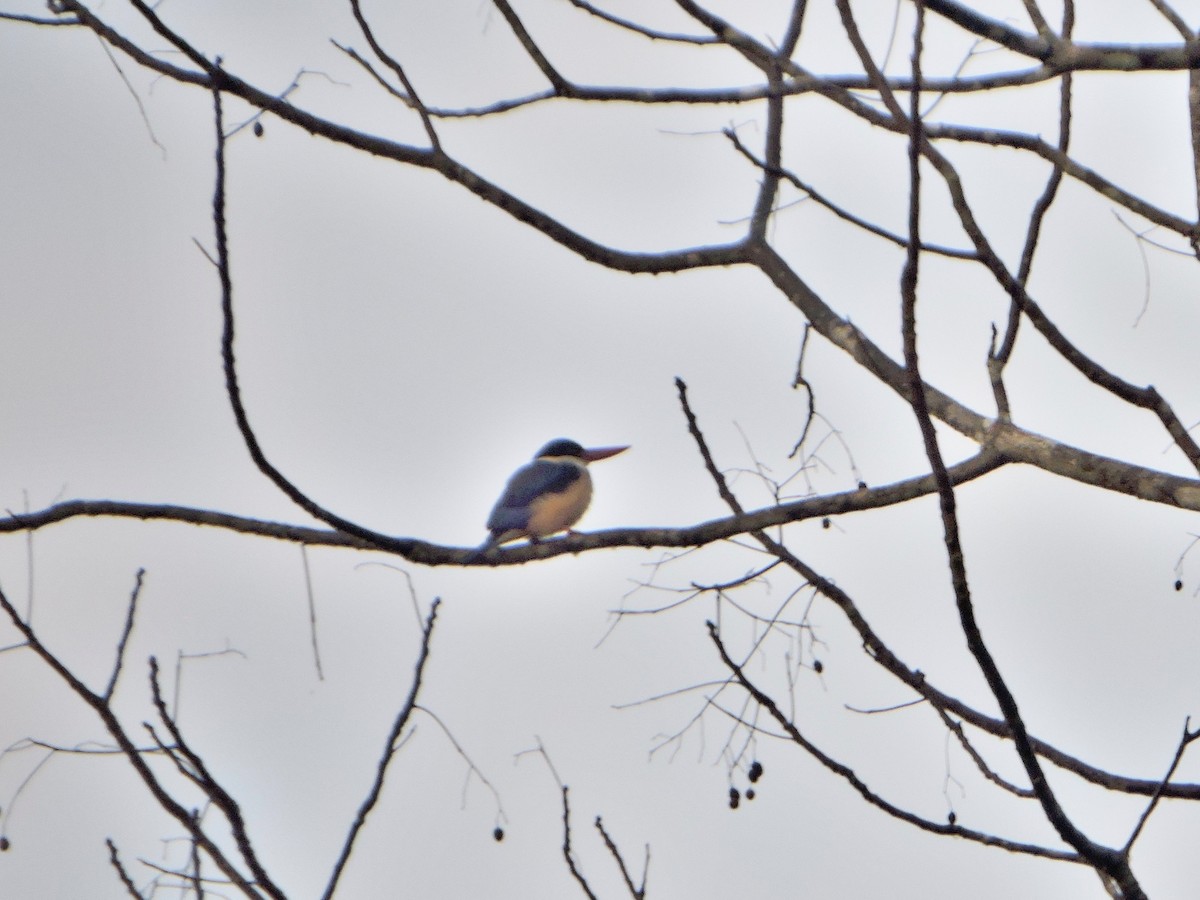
column 547, row 496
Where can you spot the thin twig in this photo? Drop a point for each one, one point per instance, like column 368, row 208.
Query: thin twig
column 848, row 774
column 197, row 771
column 1185, row 741
column 388, row 60
column 123, row 875
column 168, row 803
column 636, row 892
column 129, row 616
column 389, row 750
column 312, row 611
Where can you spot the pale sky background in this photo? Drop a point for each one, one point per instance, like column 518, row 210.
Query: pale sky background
column 403, row 347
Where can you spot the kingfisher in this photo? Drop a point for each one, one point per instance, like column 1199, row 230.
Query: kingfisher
column 546, row 496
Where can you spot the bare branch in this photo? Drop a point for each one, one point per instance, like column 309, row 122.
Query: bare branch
column 472, row 769
column 388, row 60
column 115, row 860
column 1039, row 21
column 164, row 799
column 848, row 774
column 561, row 86
column 1185, row 740
column 883, row 655
column 634, row 27
column 1105, row 860
column 985, row 770
column 37, row 20
column 843, row 214
column 636, row 892
column 312, row 612
column 568, row 855
column 991, row 29
column 389, row 750
column 199, row 774
column 998, row 360
column 124, row 639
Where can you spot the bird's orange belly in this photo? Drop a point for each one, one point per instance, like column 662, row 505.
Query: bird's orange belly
column 552, row 513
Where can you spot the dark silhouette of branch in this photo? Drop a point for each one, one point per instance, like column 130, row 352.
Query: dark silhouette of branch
column 843, row 214
column 38, row 20
column 191, row 766
column 373, row 72
column 637, row 892
column 1039, row 22
column 882, row 654
column 998, row 359
column 849, row 776
column 124, row 639
column 1146, row 398
column 562, row 87
column 472, row 769
column 391, row 62
column 115, row 860
column 637, row 28
column 380, row 541
column 166, row 512
column 567, row 849
column 955, row 728
column 106, row 715
column 312, row 612
column 568, row 855
column 799, row 381
column 194, row 873
column 991, row 29
column 213, row 76
column 1174, row 18
column 754, row 252
column 389, row 750
column 1185, row 740
column 433, row 554
column 1105, row 860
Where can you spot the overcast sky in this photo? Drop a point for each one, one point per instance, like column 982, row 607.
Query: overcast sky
column 404, row 347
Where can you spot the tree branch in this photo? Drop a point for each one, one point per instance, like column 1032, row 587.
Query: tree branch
column 848, row 775
column 389, row 751
column 106, row 715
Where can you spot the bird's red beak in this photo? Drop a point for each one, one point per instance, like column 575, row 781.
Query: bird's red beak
column 602, row 453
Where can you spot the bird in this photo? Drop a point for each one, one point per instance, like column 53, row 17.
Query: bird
column 546, row 496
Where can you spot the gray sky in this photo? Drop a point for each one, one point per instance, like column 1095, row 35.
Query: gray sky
column 403, row 348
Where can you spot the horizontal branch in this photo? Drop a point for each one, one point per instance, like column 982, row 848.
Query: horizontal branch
column 435, row 554
column 1068, row 56
column 1018, row 445
column 1005, row 444
column 213, row 76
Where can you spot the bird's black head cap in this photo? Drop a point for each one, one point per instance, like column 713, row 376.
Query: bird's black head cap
column 561, row 447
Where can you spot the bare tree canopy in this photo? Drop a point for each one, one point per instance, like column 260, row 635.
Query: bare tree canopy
column 902, row 555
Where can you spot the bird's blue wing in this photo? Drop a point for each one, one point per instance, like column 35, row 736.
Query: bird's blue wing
column 528, row 483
